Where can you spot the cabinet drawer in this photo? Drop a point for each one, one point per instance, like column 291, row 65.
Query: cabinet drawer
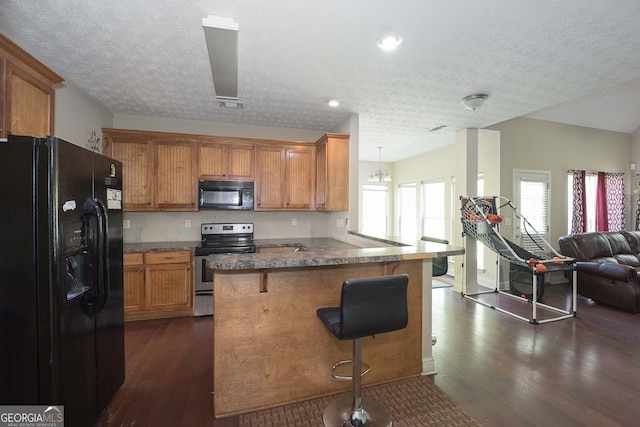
column 136, row 258
column 167, row 257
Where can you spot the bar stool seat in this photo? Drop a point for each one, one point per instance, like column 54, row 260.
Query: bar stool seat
column 368, row 306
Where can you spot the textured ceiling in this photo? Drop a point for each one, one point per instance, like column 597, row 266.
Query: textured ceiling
column 149, row 57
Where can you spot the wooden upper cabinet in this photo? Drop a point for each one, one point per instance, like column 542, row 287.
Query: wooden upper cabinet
column 135, row 151
column 161, row 170
column 300, row 178
column 27, row 92
column 222, row 160
column 158, row 171
column 332, row 172
column 285, row 177
column 175, row 180
column 269, row 184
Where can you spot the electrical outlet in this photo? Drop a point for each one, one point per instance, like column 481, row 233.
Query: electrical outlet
column 187, row 223
column 126, row 223
column 294, row 221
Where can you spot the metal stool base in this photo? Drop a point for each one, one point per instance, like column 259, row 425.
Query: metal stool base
column 340, row 413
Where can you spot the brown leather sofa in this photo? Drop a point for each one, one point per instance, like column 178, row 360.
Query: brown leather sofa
column 608, row 264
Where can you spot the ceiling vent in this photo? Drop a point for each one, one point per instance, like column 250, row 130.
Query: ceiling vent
column 437, row 128
column 221, row 35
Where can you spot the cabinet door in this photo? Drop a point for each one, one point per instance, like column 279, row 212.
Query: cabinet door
column 28, row 102
column 241, row 162
column 300, row 178
column 226, row 161
column 134, row 298
column 269, row 184
column 175, row 174
column 321, row 175
column 212, row 160
column 168, row 287
column 337, row 173
column 137, row 170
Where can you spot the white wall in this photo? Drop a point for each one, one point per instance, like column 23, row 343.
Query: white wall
column 555, row 147
column 77, row 115
column 170, row 226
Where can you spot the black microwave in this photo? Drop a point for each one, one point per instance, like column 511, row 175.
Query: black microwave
column 225, row 195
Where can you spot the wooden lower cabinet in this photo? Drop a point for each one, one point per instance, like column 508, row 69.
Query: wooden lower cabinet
column 158, row 284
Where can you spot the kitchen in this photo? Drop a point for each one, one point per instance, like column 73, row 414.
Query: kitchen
column 166, row 218
column 228, row 252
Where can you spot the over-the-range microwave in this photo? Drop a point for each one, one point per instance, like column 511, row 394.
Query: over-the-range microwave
column 225, row 194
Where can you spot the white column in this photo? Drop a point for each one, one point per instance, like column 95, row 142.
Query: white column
column 466, row 185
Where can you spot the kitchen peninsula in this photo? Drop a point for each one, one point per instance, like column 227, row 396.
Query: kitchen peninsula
column 269, row 346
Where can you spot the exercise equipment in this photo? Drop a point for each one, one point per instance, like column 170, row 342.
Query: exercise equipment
column 491, row 221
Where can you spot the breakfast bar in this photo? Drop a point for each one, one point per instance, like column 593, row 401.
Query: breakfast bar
column 269, row 346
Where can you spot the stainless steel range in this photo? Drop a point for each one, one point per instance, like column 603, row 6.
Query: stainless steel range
column 217, row 238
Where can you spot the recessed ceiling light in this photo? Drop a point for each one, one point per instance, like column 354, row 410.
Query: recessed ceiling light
column 333, row 103
column 389, row 41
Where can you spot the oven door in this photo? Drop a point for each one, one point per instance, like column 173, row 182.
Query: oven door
column 203, row 288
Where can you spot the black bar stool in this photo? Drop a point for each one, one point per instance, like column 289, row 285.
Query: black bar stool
column 368, row 306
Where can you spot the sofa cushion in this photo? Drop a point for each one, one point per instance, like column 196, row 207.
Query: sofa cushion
column 633, row 239
column 591, row 246
column 627, row 259
column 618, row 242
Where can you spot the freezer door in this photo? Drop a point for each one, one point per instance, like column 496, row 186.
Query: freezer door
column 25, row 285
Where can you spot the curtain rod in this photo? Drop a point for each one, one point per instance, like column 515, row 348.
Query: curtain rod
column 592, row 172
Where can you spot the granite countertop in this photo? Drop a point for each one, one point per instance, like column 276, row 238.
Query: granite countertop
column 326, row 251
column 160, row 246
column 311, row 252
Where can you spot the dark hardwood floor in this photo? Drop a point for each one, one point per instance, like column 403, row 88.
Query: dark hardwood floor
column 583, row 371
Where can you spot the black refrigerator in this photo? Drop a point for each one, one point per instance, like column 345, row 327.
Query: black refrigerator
column 61, row 273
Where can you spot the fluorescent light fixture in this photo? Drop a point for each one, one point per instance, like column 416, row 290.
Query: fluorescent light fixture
column 230, row 104
column 221, row 35
column 473, row 102
column 389, row 42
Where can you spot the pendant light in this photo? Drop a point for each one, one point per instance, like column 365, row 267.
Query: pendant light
column 379, row 175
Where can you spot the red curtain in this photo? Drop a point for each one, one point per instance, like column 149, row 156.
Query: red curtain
column 579, row 218
column 609, row 202
column 602, row 215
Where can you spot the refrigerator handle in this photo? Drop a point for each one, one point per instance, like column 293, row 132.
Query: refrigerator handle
column 103, row 257
column 98, row 298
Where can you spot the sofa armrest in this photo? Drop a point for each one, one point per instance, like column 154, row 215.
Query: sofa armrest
column 620, row 272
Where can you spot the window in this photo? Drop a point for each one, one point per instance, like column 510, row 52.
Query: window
column 532, row 202
column 407, row 210
column 375, row 206
column 590, row 184
column 433, row 209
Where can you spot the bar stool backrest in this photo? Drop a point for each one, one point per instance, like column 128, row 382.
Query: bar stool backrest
column 373, row 305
